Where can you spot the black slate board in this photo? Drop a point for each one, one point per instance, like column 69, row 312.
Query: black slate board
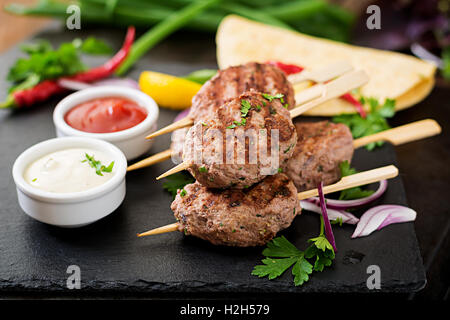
column 35, row 256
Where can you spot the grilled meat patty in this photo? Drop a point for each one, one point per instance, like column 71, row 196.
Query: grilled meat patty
column 232, row 217
column 321, row 147
column 255, row 115
column 234, row 81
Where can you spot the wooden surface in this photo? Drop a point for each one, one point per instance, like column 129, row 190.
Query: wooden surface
column 14, row 29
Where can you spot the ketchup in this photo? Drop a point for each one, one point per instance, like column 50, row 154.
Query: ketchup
column 105, row 115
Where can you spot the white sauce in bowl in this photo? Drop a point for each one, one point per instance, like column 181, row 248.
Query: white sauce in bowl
column 68, row 170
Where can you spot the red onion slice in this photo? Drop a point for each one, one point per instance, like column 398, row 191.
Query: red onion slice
column 333, row 214
column 347, row 204
column 381, row 216
column 183, row 114
column 326, row 221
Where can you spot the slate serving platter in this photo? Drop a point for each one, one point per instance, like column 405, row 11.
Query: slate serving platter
column 35, row 256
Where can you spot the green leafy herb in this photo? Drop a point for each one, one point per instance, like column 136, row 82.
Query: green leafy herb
column 34, row 180
column 276, row 96
column 352, row 193
column 373, row 123
column 245, row 108
column 95, row 46
column 177, row 181
column 446, row 63
column 183, row 192
column 281, row 255
column 44, row 63
column 203, row 169
column 97, row 165
column 289, row 148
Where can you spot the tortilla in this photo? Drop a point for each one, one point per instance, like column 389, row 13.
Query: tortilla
column 393, row 75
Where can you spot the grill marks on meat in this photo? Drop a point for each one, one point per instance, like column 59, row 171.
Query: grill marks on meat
column 320, row 148
column 232, row 217
column 234, row 81
column 212, row 168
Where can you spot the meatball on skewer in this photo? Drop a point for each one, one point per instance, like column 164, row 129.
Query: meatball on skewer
column 233, row 81
column 250, row 137
column 253, row 216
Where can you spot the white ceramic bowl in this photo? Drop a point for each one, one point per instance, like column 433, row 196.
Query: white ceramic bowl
column 131, row 141
column 74, row 209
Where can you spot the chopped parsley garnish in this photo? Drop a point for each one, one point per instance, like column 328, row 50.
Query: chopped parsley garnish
column 97, row 165
column 280, row 170
column 373, row 123
column 203, row 169
column 183, row 192
column 177, row 181
column 288, row 148
column 34, row 180
column 245, row 108
column 270, row 97
column 352, row 193
column 281, row 255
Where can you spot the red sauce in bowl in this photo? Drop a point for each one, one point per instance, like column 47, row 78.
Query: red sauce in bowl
column 105, row 115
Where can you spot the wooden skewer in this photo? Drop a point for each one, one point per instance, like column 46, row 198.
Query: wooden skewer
column 321, row 75
column 355, row 180
column 156, row 158
column 330, row 90
column 325, row 92
column 403, row 134
column 185, row 122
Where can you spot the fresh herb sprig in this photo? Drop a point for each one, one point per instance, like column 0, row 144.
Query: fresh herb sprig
column 43, row 62
column 281, row 255
column 177, row 181
column 373, row 123
column 97, row 165
column 351, row 193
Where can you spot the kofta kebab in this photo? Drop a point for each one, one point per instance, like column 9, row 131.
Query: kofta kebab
column 203, row 210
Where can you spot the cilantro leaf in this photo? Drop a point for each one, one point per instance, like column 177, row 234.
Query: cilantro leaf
column 373, row 123
column 177, row 181
column 351, row 193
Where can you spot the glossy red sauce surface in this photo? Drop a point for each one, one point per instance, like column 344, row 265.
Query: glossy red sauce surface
column 105, row 115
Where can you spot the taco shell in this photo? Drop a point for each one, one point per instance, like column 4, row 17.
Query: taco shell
column 393, row 75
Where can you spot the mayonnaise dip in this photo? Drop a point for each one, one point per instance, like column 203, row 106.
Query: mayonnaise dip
column 68, row 170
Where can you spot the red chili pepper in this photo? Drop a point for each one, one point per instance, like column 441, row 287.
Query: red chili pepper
column 351, row 99
column 47, row 88
column 292, row 68
column 287, row 68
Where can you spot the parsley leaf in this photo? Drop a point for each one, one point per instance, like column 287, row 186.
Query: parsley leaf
column 245, row 108
column 97, row 165
column 271, row 97
column 351, row 193
column 95, row 46
column 373, row 123
column 280, row 247
column 43, row 62
column 177, row 181
column 281, row 255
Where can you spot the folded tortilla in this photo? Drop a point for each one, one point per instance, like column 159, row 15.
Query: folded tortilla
column 393, row 75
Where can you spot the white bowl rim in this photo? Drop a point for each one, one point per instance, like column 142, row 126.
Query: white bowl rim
column 74, row 99
column 32, row 153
